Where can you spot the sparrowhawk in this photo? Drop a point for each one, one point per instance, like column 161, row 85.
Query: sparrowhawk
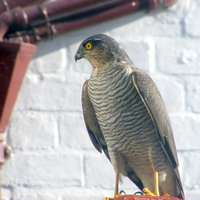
column 126, row 118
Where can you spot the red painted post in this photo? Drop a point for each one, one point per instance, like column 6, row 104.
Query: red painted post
column 14, row 59
column 142, row 197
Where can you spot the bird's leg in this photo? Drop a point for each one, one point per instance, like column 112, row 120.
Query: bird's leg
column 116, row 184
column 156, row 184
column 156, row 187
column 116, row 194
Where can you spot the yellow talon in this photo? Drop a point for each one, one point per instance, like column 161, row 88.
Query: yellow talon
column 166, row 195
column 147, row 192
column 117, row 195
column 156, row 187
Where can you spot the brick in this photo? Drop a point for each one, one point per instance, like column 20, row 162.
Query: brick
column 51, row 94
column 52, row 46
column 173, row 92
column 142, row 24
column 128, row 186
column 192, row 194
column 47, row 170
column 59, row 193
column 193, row 94
column 87, row 193
column 99, row 172
column 6, row 194
column 186, row 131
column 73, row 133
column 35, row 197
column 180, row 56
column 138, row 51
column 192, row 18
column 48, row 63
column 83, row 197
column 38, row 193
column 32, row 130
column 189, row 169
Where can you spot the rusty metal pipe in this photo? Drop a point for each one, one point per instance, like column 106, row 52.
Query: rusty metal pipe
column 82, row 13
column 81, row 19
column 64, row 6
column 55, row 7
column 19, row 17
column 117, row 11
column 34, row 36
column 7, row 19
column 6, row 5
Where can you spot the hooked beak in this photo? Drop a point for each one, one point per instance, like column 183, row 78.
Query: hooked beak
column 78, row 56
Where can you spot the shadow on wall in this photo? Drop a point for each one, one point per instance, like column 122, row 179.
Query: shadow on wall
column 79, row 35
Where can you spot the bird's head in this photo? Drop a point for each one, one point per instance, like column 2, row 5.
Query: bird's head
column 100, row 50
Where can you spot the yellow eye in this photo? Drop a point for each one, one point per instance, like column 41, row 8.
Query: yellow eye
column 88, row 45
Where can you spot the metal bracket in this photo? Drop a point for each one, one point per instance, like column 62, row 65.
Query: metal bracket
column 51, row 29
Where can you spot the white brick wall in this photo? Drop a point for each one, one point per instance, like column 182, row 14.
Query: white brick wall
column 53, row 158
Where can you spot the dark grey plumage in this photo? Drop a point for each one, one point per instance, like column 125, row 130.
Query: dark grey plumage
column 126, row 117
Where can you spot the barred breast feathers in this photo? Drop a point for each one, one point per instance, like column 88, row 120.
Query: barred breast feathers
column 115, row 101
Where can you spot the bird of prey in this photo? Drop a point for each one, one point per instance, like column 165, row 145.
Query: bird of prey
column 126, row 118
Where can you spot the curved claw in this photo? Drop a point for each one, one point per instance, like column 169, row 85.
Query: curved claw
column 147, row 192
column 117, row 195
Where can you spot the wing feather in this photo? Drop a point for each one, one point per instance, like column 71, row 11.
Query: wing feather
column 154, row 103
column 95, row 133
column 91, row 122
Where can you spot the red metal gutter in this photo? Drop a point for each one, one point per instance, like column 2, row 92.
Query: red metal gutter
column 21, row 17
column 7, row 5
column 43, row 22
